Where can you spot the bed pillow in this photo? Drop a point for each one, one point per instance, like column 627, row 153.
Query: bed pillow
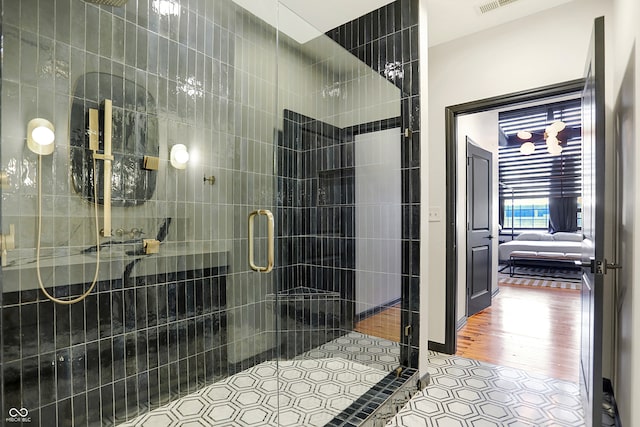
column 547, row 237
column 529, row 236
column 567, row 237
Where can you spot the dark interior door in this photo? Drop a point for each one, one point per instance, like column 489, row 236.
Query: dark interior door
column 593, row 118
column 479, row 221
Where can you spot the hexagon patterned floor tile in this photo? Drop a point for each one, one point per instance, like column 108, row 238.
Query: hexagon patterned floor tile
column 367, row 350
column 466, row 392
column 312, row 392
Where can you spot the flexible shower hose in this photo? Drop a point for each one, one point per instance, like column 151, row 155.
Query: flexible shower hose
column 95, row 277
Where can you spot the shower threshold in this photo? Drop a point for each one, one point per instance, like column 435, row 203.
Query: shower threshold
column 308, row 391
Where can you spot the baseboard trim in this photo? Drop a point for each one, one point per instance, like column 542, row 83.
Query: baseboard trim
column 375, row 310
column 438, row 347
column 461, row 322
column 609, row 406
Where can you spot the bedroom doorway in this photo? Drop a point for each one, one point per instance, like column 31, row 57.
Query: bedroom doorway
column 549, row 300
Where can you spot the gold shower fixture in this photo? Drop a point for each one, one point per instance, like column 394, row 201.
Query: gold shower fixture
column 40, row 140
column 106, row 156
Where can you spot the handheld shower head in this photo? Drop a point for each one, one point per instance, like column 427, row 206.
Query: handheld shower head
column 114, row 3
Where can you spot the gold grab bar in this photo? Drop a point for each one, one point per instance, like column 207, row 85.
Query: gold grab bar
column 270, row 241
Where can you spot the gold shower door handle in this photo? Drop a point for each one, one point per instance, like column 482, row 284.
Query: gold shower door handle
column 270, row 241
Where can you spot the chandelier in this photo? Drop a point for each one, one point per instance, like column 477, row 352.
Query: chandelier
column 550, row 136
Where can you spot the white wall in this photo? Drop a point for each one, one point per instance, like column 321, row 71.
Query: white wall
column 425, row 273
column 513, row 57
column 482, row 128
column 378, row 219
column 626, row 87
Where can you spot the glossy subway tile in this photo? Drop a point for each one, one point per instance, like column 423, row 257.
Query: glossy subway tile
column 126, row 345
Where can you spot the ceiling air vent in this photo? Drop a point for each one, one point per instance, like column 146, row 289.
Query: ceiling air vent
column 493, row 5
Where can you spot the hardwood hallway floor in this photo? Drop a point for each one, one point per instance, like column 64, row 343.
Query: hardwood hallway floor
column 385, row 324
column 532, row 328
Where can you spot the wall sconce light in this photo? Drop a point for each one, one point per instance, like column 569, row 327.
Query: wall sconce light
column 179, row 156
column 40, row 136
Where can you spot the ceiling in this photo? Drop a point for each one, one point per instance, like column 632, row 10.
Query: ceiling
column 326, row 15
column 448, row 19
column 452, row 19
column 305, row 20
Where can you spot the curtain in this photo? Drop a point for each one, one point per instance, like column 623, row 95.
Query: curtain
column 563, row 214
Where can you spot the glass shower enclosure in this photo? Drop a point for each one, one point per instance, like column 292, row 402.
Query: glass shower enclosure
column 215, row 218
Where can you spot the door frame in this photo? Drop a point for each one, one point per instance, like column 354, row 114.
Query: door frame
column 451, row 153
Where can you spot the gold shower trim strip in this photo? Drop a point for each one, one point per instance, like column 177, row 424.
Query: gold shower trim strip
column 94, row 124
column 108, row 158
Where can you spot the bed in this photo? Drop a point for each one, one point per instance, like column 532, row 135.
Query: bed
column 559, row 243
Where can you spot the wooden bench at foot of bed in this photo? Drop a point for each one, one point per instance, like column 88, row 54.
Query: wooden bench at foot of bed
column 542, row 259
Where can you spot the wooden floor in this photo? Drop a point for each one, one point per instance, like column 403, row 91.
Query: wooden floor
column 532, row 328
column 535, row 329
column 385, row 324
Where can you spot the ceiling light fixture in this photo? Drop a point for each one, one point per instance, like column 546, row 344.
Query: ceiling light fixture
column 554, row 149
column 527, row 148
column 557, row 126
column 524, row 135
column 550, row 136
column 552, row 140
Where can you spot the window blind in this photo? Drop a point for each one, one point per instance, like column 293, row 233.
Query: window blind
column 541, row 174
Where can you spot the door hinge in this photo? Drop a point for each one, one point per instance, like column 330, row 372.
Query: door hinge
column 598, row 267
column 602, row 266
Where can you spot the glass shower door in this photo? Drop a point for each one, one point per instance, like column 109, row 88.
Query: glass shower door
column 336, row 298
column 327, row 167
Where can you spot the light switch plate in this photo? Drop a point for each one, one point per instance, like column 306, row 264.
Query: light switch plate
column 435, row 214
